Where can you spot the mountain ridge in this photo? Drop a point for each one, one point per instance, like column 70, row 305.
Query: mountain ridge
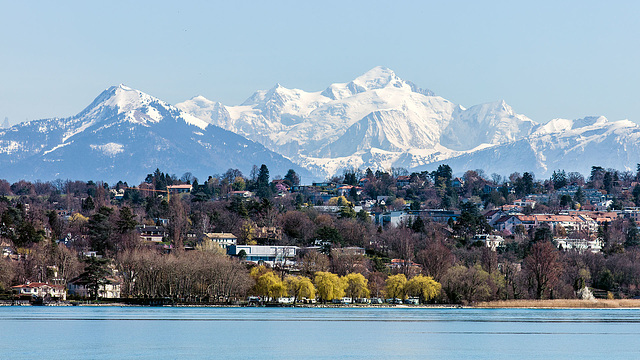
column 123, row 135
column 376, row 120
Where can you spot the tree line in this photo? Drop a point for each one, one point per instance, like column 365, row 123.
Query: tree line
column 51, row 224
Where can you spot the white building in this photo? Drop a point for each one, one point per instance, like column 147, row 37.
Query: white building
column 41, row 290
column 224, row 240
column 490, row 241
column 284, row 255
column 580, row 245
column 109, row 290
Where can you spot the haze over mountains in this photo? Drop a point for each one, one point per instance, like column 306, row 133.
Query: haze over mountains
column 377, row 120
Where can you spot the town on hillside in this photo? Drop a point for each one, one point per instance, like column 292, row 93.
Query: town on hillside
column 363, row 237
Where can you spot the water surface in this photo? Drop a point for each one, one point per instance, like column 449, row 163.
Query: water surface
column 316, row 333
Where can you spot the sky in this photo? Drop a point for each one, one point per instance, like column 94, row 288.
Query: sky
column 547, row 59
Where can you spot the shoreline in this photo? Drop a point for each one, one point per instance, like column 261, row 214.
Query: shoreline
column 560, row 304
column 497, row 304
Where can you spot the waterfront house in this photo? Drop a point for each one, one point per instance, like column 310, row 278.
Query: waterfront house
column 109, row 289
column 39, row 290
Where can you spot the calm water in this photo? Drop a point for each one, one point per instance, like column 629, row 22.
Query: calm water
column 291, row 333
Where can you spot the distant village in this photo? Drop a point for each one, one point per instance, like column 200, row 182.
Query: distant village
column 363, row 237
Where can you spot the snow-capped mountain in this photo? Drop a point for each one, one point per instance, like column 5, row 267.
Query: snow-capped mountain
column 376, row 120
column 570, row 145
column 123, row 135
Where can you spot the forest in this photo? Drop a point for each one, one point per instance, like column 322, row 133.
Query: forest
column 49, row 229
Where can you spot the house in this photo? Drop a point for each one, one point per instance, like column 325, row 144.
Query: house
column 492, row 215
column 397, row 264
column 281, row 186
column 403, row 180
column 382, row 199
column 242, row 194
column 301, row 188
column 438, row 215
column 268, row 234
column 600, row 217
column 324, row 185
column 568, row 222
column 321, row 197
column 6, row 251
column 38, row 290
column 266, row 254
column 345, row 190
column 393, row 218
column 488, row 189
column 593, row 196
column 151, row 233
column 511, row 209
column 224, row 240
column 351, row 250
column 493, row 242
column 631, row 213
column 110, row 289
column 525, row 202
column 507, row 223
column 179, row 189
column 117, row 194
column 91, row 254
column 457, row 183
column 580, row 245
column 328, row 209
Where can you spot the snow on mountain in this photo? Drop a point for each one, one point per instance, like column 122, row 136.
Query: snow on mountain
column 353, row 123
column 491, row 123
column 377, row 120
column 374, row 79
column 123, row 135
column 571, row 145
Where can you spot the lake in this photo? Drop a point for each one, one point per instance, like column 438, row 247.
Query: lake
column 316, row 333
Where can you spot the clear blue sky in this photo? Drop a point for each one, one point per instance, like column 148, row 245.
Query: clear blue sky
column 547, row 59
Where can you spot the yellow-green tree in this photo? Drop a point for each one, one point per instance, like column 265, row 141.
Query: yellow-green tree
column 329, row 286
column 423, row 287
column 247, row 232
column 268, row 284
column 299, row 287
column 395, row 286
column 339, row 201
column 356, row 286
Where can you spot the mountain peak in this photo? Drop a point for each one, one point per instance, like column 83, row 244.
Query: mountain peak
column 134, row 106
column 379, row 77
column 376, row 78
column 126, row 99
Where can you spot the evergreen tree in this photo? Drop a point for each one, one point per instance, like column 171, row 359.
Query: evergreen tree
column 95, row 274
column 579, row 196
column 559, row 179
column 262, row 182
column 350, row 177
column 88, row 204
column 636, row 195
column 126, row 222
column 292, row 178
column 632, row 237
column 101, row 230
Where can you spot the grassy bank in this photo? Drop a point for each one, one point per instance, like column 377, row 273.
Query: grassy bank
column 563, row 304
